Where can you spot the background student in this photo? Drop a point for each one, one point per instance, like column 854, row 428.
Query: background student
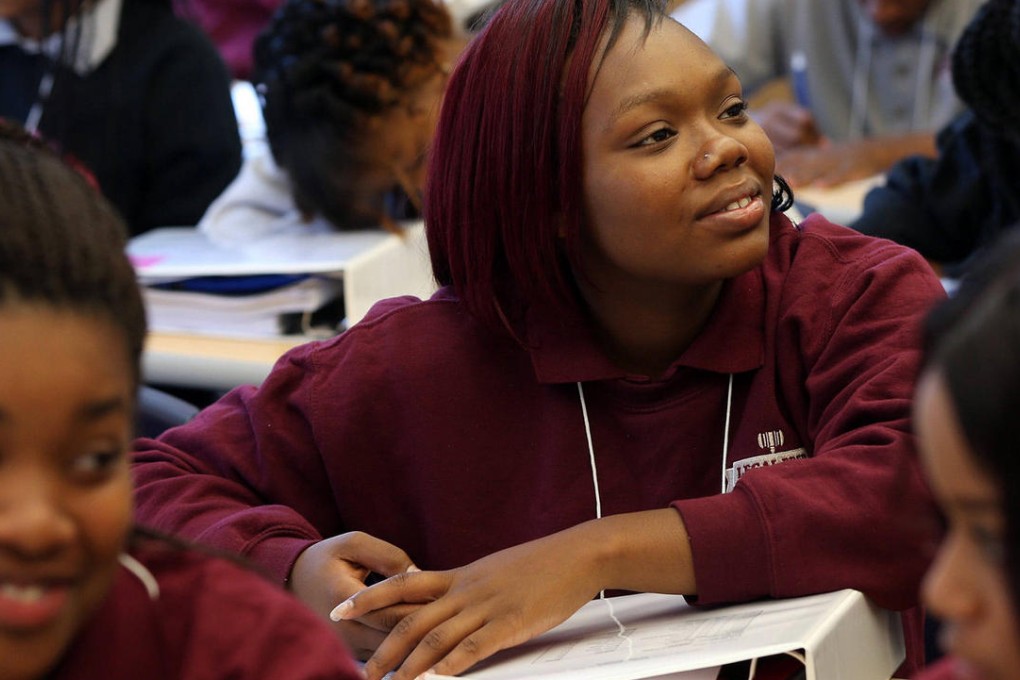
column 350, row 89
column 965, row 418
column 138, row 96
column 951, row 207
column 870, row 78
column 84, row 593
column 639, row 374
column 233, row 25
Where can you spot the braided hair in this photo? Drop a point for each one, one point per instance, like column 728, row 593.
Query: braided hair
column 325, row 70
column 61, row 243
column 986, row 65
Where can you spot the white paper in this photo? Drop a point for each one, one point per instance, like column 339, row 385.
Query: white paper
column 657, row 636
column 171, row 253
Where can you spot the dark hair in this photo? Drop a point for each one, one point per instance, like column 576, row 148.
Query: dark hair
column 986, row 65
column 972, row 340
column 323, row 69
column 505, row 175
column 61, row 243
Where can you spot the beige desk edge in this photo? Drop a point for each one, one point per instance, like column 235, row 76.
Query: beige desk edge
column 211, row 362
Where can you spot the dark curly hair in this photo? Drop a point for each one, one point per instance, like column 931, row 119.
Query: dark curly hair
column 986, row 65
column 324, row 69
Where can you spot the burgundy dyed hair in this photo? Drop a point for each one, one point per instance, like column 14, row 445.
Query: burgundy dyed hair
column 504, row 200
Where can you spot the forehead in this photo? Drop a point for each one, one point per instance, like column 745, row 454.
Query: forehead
column 952, row 467
column 911, row 8
column 44, row 348
column 669, row 57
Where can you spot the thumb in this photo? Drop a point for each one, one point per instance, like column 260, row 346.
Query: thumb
column 375, row 554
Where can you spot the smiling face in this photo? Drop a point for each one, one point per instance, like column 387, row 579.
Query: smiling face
column 677, row 177
column 66, row 395
column 966, row 586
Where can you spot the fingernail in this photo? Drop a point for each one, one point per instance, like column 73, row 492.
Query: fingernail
column 427, row 675
column 413, row 568
column 340, row 610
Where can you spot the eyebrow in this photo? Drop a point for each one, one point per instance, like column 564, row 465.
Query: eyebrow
column 642, row 98
column 95, row 410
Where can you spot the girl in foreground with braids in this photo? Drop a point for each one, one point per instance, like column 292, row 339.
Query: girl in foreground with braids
column 83, row 593
column 965, row 416
column 350, row 92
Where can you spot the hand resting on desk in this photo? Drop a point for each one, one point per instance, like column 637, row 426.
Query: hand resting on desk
column 504, row 599
column 334, row 569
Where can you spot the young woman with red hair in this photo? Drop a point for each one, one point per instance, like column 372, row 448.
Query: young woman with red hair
column 638, row 375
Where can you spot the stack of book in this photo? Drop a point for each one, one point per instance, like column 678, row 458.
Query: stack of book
column 287, row 285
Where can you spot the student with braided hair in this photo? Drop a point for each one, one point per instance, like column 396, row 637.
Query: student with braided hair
column 350, row 92
column 951, row 207
column 137, row 95
column 84, row 593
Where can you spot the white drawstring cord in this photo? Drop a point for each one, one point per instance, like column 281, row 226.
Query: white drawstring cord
column 141, row 573
column 726, row 433
column 591, row 458
column 591, row 453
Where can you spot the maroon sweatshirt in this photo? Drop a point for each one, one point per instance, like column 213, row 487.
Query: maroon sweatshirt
column 211, row 620
column 420, row 427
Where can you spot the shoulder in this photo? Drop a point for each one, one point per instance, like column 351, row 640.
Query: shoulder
column 403, row 323
column 834, row 254
column 950, row 17
column 824, row 269
column 217, row 614
column 149, row 30
column 943, row 670
column 182, row 614
column 402, row 339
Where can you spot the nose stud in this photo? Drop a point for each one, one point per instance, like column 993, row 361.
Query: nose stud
column 706, row 156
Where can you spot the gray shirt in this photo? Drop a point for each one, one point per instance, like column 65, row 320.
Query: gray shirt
column 857, row 81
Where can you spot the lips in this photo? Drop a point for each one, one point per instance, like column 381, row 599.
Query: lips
column 29, row 605
column 740, row 203
column 734, row 198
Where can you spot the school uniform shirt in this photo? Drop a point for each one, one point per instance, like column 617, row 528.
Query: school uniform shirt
column 258, row 208
column 857, row 81
column 258, row 204
column 952, row 207
column 422, row 428
column 175, row 614
column 143, row 102
column 945, row 669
